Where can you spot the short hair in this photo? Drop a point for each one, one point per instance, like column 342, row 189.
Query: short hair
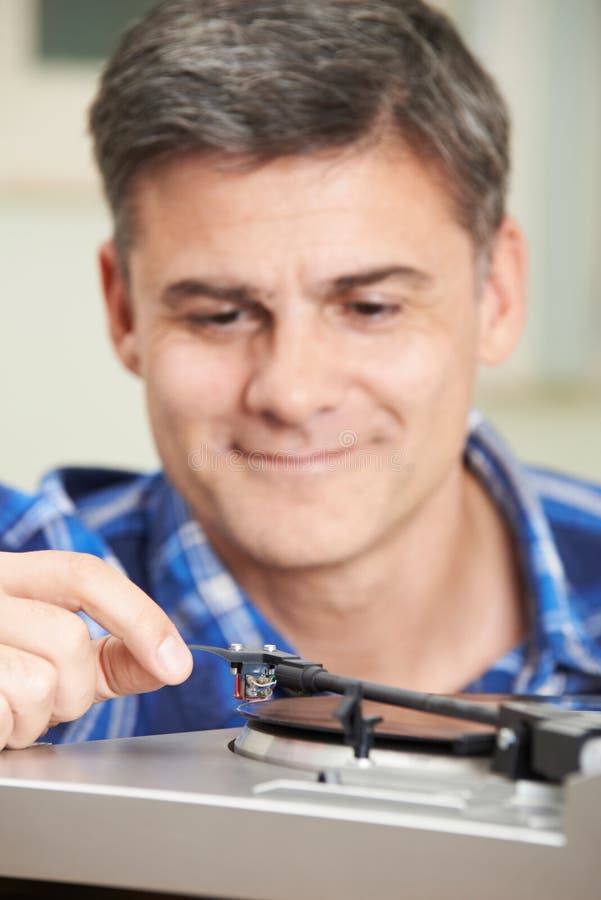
column 255, row 80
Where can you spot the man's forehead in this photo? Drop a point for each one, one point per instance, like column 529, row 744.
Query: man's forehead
column 310, row 220
column 314, row 205
column 328, row 179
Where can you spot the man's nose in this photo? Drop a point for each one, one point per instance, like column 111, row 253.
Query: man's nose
column 297, row 374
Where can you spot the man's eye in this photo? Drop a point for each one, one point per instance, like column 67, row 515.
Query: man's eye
column 364, row 309
column 218, row 320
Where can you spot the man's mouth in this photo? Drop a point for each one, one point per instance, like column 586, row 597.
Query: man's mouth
column 322, row 459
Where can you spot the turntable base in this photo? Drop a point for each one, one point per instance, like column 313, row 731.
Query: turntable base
column 183, row 814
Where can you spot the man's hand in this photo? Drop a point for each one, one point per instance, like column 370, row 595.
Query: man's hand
column 50, row 669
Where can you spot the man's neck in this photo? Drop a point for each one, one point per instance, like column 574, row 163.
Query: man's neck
column 430, row 607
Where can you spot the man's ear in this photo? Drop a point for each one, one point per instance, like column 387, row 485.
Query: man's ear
column 502, row 302
column 118, row 307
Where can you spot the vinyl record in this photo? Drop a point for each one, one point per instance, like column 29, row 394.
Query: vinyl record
column 314, row 716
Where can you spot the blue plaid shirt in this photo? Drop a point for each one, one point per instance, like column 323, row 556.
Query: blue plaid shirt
column 143, row 527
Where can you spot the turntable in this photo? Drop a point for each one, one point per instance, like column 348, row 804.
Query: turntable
column 333, row 795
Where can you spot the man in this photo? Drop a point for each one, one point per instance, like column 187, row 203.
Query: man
column 311, row 258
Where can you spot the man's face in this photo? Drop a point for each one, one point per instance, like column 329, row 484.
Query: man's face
column 308, row 333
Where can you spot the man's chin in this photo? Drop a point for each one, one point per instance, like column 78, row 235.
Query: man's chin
column 318, row 522
column 272, row 552
column 287, row 542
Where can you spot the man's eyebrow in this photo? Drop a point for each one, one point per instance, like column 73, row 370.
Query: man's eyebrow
column 188, row 288
column 414, row 277
column 175, row 293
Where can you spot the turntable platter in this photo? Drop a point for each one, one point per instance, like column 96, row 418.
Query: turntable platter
column 314, row 716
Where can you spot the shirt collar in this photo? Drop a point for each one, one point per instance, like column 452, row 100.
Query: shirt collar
column 556, row 635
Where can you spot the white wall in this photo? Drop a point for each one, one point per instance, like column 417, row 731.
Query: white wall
column 546, row 56
column 64, row 398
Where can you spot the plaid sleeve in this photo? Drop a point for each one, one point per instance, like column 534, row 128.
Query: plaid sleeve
column 48, row 521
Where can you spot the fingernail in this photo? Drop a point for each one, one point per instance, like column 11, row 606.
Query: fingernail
column 173, row 655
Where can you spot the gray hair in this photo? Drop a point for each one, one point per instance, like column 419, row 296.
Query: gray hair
column 254, row 80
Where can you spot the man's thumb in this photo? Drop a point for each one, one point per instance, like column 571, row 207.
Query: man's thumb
column 118, row 672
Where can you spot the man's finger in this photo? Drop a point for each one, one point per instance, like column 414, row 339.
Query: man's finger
column 61, row 638
column 6, row 721
column 28, row 684
column 118, row 672
column 78, row 581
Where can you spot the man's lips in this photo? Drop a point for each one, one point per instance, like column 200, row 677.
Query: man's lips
column 288, row 460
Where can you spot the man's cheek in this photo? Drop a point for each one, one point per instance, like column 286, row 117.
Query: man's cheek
column 188, row 392
column 419, row 374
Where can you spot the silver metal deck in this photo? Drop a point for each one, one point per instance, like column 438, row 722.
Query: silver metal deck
column 183, row 814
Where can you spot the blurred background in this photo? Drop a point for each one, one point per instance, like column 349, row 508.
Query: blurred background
column 64, row 397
